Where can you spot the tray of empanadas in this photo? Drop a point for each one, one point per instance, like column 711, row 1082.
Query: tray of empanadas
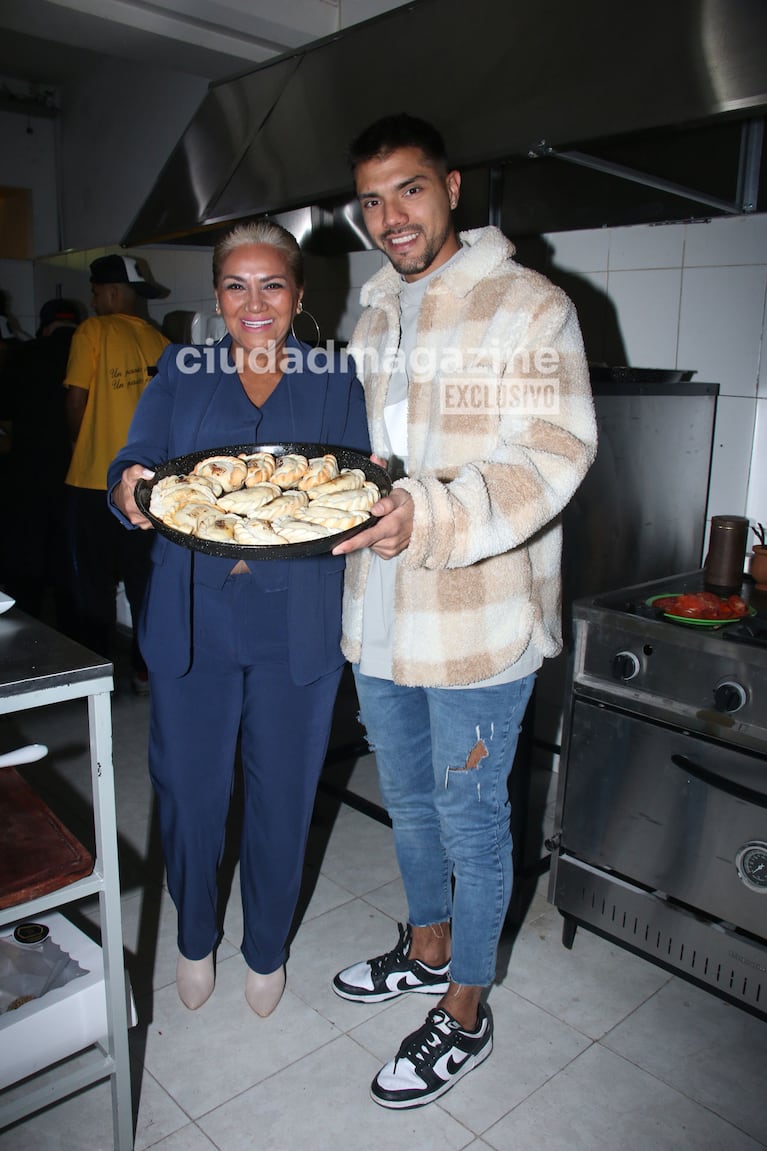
column 263, row 501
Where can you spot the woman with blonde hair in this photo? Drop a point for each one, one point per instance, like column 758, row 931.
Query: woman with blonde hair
column 235, row 648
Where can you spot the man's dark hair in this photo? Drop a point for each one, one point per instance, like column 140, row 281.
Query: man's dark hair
column 400, row 131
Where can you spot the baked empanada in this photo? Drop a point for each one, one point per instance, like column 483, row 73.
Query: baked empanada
column 245, row 501
column 289, row 470
column 347, row 480
column 357, row 500
column 300, row 532
column 283, row 505
column 337, row 519
column 320, row 470
column 171, row 482
column 261, row 466
column 187, row 518
column 256, row 533
column 230, row 471
column 167, row 498
column 215, row 526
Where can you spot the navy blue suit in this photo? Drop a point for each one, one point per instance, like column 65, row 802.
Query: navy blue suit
column 254, row 655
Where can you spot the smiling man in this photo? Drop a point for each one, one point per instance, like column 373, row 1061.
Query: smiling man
column 406, row 199
column 477, row 394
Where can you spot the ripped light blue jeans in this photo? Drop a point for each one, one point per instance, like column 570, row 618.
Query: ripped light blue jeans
column 444, row 759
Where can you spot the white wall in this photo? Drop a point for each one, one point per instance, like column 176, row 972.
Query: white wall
column 692, row 296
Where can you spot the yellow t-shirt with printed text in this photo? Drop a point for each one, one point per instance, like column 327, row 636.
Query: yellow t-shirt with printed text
column 110, row 358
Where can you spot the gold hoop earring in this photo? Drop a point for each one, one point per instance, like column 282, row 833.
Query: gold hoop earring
column 301, row 310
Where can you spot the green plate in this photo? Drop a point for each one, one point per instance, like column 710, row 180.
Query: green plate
column 697, row 622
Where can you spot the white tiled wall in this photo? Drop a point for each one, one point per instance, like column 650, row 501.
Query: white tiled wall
column 688, row 296
column 647, row 302
column 720, row 323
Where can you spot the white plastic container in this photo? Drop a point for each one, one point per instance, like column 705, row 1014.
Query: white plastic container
column 63, row 1021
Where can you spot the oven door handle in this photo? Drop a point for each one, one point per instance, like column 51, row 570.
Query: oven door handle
column 738, row 790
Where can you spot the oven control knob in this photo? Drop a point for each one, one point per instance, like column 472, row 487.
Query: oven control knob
column 625, row 665
column 729, row 696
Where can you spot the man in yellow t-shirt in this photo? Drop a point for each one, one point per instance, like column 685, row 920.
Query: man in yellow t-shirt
column 110, row 363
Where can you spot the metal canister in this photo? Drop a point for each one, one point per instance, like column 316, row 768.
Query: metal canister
column 726, row 554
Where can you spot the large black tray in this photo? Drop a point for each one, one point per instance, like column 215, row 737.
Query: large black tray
column 182, row 465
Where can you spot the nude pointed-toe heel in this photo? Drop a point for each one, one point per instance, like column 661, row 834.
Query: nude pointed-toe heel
column 263, row 992
column 195, row 980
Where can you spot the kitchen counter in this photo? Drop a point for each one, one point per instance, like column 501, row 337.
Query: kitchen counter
column 34, row 657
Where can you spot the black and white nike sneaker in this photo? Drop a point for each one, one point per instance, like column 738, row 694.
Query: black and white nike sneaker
column 432, row 1060
column 390, row 975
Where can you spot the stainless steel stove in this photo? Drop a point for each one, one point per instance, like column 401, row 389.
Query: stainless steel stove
column 660, row 840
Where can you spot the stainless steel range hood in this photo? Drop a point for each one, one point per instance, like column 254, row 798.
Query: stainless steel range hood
column 554, row 101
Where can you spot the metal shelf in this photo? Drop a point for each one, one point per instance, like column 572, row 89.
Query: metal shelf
column 40, row 667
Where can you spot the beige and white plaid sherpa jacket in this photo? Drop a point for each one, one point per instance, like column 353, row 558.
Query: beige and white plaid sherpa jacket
column 490, row 464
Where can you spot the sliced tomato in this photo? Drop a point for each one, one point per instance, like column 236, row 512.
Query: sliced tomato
column 703, row 605
column 708, row 599
column 692, row 607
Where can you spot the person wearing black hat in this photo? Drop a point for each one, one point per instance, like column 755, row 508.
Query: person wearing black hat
column 34, row 557
column 110, row 362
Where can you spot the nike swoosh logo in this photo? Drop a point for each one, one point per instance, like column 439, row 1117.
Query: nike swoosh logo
column 448, row 1064
column 407, row 981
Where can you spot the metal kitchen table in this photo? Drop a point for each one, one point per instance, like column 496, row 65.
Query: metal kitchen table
column 39, row 667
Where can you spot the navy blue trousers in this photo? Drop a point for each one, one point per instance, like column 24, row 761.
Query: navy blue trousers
column 239, row 684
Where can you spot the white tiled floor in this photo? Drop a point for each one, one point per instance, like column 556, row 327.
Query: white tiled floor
column 595, row 1049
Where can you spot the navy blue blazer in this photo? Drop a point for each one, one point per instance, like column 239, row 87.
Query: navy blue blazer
column 196, row 402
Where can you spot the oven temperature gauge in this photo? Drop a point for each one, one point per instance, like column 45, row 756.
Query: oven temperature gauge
column 751, row 862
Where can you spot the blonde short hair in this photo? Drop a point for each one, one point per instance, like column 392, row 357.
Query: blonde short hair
column 260, row 232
